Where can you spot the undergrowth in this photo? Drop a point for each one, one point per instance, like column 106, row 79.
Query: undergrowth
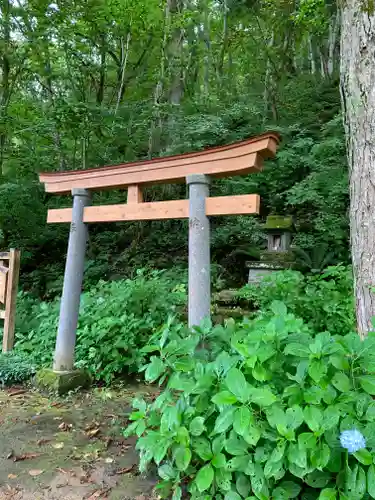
column 15, row 368
column 325, row 301
column 262, row 409
column 116, row 320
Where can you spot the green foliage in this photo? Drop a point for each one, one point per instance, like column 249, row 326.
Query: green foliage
column 96, row 83
column 256, row 408
column 314, row 261
column 15, row 368
column 116, row 321
column 325, row 301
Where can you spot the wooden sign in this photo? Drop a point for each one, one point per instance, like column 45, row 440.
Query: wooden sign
column 3, row 283
column 9, row 275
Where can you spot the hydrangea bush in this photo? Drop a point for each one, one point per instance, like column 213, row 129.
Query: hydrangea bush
column 261, row 409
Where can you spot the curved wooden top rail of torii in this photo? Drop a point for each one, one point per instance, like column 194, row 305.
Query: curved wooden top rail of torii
column 240, row 158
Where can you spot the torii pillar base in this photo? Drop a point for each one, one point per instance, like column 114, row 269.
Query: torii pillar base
column 62, row 382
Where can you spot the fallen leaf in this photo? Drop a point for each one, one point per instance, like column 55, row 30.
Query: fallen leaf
column 35, row 472
column 93, row 425
column 25, row 456
column 12, row 492
column 12, row 476
column 65, row 427
column 16, row 392
column 58, row 446
column 92, row 433
column 62, row 485
column 127, row 470
column 64, row 471
column 107, row 441
column 40, row 442
column 102, row 493
column 96, row 494
column 109, row 460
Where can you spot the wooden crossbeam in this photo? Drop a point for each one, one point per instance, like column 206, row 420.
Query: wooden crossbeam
column 240, row 158
column 158, row 210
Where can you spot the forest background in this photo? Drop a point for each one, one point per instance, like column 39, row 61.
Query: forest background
column 97, row 82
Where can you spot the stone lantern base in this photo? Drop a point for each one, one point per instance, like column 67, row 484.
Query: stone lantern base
column 260, row 270
column 269, row 263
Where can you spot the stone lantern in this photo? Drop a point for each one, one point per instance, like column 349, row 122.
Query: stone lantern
column 278, row 255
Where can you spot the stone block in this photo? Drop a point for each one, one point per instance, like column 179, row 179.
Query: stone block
column 62, row 382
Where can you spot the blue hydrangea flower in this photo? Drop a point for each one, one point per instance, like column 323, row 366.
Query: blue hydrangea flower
column 352, row 440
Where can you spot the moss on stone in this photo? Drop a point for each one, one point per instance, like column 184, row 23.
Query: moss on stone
column 274, row 222
column 219, row 314
column 265, row 266
column 226, row 297
column 277, row 257
column 62, row 382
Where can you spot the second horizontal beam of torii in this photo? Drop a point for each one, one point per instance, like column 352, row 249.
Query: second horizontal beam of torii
column 246, row 204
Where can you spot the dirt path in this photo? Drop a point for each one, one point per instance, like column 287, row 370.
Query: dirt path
column 70, row 449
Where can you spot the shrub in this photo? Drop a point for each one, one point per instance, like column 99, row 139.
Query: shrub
column 15, row 368
column 325, row 301
column 255, row 410
column 116, row 320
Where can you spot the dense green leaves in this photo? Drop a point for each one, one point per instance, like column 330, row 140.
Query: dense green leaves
column 197, row 426
column 371, row 481
column 276, row 438
column 15, row 368
column 237, row 384
column 242, row 420
column 116, row 321
column 368, row 383
column 204, row 478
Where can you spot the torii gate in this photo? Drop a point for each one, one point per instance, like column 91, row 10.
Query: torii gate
column 195, row 169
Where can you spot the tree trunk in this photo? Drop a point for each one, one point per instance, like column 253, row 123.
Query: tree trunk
column 224, row 42
column 358, row 98
column 174, row 54
column 5, row 80
column 333, row 32
column 207, row 54
column 311, row 57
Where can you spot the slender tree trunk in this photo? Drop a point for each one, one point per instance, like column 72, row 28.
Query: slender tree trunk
column 56, row 134
column 102, row 71
column 270, row 85
column 224, row 42
column 323, row 64
column 358, row 98
column 174, row 53
column 156, row 127
column 332, row 40
column 5, row 78
column 207, row 54
column 124, row 62
column 312, row 57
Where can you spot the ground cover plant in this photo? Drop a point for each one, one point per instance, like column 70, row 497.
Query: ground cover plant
column 325, row 300
column 15, row 368
column 116, row 320
column 265, row 408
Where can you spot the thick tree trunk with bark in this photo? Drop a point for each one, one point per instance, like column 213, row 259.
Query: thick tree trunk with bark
column 358, row 96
